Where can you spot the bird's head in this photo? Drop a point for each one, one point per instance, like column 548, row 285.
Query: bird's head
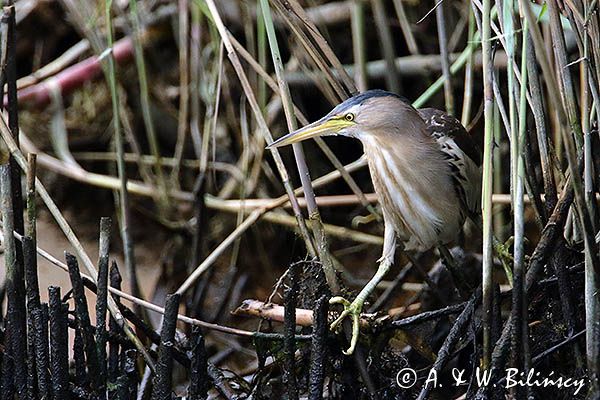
column 368, row 113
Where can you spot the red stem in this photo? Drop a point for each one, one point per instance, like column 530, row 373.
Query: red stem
column 72, row 77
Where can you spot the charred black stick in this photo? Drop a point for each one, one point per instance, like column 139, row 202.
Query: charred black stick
column 101, row 301
column 59, row 342
column 15, row 282
column 33, row 302
column 113, row 327
column 161, row 389
column 289, row 329
column 80, row 378
column 83, row 317
column 318, row 350
column 129, row 373
column 42, row 362
column 429, row 315
column 199, row 383
column 31, row 276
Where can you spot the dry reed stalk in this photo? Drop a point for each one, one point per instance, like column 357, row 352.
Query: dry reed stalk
column 487, row 279
column 322, row 246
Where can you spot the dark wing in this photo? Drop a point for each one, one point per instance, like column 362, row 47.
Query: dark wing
column 440, row 123
column 462, row 153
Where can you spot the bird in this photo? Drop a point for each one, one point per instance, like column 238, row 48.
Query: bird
column 425, row 169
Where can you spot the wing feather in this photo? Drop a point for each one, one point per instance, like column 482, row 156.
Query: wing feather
column 462, row 153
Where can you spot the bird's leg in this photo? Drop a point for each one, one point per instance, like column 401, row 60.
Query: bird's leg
column 354, row 309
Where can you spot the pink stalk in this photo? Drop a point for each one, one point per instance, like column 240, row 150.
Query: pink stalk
column 72, row 77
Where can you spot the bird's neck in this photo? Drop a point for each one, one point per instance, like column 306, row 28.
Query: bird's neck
column 418, row 155
column 414, row 187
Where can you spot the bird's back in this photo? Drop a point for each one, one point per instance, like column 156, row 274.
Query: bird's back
column 462, row 153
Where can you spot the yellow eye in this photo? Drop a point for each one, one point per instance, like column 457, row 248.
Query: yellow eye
column 349, row 117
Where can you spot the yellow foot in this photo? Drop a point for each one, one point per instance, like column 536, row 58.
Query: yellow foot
column 350, row 309
column 505, row 256
column 363, row 220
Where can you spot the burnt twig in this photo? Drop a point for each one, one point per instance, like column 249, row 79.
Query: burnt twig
column 318, row 353
column 161, row 389
column 83, row 319
column 289, row 328
column 15, row 284
column 199, row 382
column 101, row 301
column 113, row 327
column 59, row 342
column 429, row 315
column 42, row 359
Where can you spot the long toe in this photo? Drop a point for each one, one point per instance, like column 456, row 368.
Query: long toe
column 339, row 319
column 353, row 310
column 355, row 331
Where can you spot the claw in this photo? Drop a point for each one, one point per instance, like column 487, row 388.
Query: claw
column 503, row 250
column 354, row 309
column 505, row 256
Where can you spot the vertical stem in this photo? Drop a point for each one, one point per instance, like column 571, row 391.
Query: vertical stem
column 195, row 77
column 145, row 103
column 519, row 303
column 443, row 43
column 28, row 244
column 510, row 47
column 318, row 351
column 387, row 46
column 468, row 91
column 10, row 73
column 59, row 342
column 113, row 347
column 487, row 279
column 261, row 43
column 311, row 204
column 537, row 109
column 162, row 382
column 358, row 45
column 406, row 29
column 83, row 319
column 499, row 226
column 101, row 301
column 592, row 305
column 183, row 87
column 199, row 382
column 566, row 81
column 15, row 285
column 289, row 327
column 128, row 246
column 31, row 208
column 42, row 361
column 11, row 180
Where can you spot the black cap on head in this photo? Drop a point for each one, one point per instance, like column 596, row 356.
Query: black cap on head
column 369, row 94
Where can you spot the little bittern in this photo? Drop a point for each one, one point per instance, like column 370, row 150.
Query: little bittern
column 425, row 169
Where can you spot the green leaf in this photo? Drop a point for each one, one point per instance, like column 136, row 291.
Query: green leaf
column 542, row 12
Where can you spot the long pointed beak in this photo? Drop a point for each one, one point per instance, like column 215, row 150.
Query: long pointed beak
column 321, row 127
